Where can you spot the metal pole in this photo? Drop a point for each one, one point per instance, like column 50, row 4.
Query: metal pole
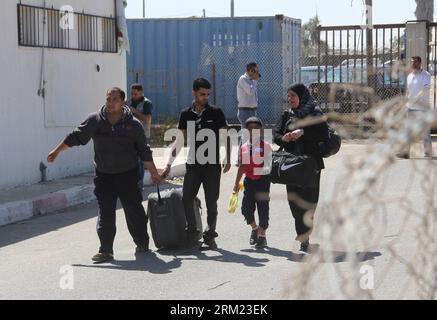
column 232, row 8
column 144, row 8
column 319, row 55
column 371, row 76
column 214, row 84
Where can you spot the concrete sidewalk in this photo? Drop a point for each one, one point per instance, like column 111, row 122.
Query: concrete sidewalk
column 25, row 202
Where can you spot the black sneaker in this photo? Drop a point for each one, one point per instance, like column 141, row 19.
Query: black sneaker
column 304, row 247
column 253, row 237
column 210, row 243
column 103, row 257
column 192, row 237
column 261, row 243
column 403, row 155
column 142, row 249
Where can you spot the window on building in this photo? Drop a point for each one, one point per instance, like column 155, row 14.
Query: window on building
column 51, row 28
column 29, row 19
column 108, row 29
column 87, row 33
column 56, row 36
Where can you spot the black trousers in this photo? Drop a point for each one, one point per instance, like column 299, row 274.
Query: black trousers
column 256, row 196
column 209, row 176
column 303, row 203
column 124, row 186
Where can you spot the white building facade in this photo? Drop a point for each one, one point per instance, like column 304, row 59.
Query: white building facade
column 58, row 57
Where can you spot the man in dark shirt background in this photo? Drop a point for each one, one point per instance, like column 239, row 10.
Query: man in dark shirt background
column 119, row 141
column 142, row 108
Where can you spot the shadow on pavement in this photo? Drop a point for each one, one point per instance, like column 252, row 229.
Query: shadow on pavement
column 28, row 229
column 316, row 253
column 423, row 158
column 37, row 226
column 224, row 256
column 149, row 262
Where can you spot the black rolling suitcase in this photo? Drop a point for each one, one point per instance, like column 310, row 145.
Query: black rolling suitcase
column 166, row 214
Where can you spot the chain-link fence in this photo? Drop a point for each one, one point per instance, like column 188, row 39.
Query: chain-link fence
column 279, row 69
column 351, row 69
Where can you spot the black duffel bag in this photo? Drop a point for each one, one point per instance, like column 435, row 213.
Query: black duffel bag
column 289, row 169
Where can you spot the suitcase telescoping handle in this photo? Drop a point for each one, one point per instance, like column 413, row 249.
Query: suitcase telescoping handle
column 159, row 195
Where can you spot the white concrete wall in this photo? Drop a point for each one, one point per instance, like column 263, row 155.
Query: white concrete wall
column 32, row 126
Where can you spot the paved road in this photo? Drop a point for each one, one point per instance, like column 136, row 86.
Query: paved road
column 33, row 252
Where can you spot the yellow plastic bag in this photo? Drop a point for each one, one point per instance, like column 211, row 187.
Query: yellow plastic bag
column 233, row 202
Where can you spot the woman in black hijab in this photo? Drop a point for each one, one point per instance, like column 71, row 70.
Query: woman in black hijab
column 298, row 140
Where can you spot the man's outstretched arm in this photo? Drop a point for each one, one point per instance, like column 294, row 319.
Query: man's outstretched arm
column 55, row 152
column 80, row 136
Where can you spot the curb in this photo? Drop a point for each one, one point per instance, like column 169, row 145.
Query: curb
column 13, row 212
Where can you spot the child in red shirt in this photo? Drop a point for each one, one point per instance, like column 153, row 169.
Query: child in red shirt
column 254, row 160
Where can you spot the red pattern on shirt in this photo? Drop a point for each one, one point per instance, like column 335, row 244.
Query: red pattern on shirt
column 247, row 158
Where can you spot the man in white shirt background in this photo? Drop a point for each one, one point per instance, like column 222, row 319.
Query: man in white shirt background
column 418, row 100
column 247, row 93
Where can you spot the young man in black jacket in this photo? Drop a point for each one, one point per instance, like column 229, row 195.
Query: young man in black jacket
column 299, row 140
column 119, row 141
column 203, row 168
